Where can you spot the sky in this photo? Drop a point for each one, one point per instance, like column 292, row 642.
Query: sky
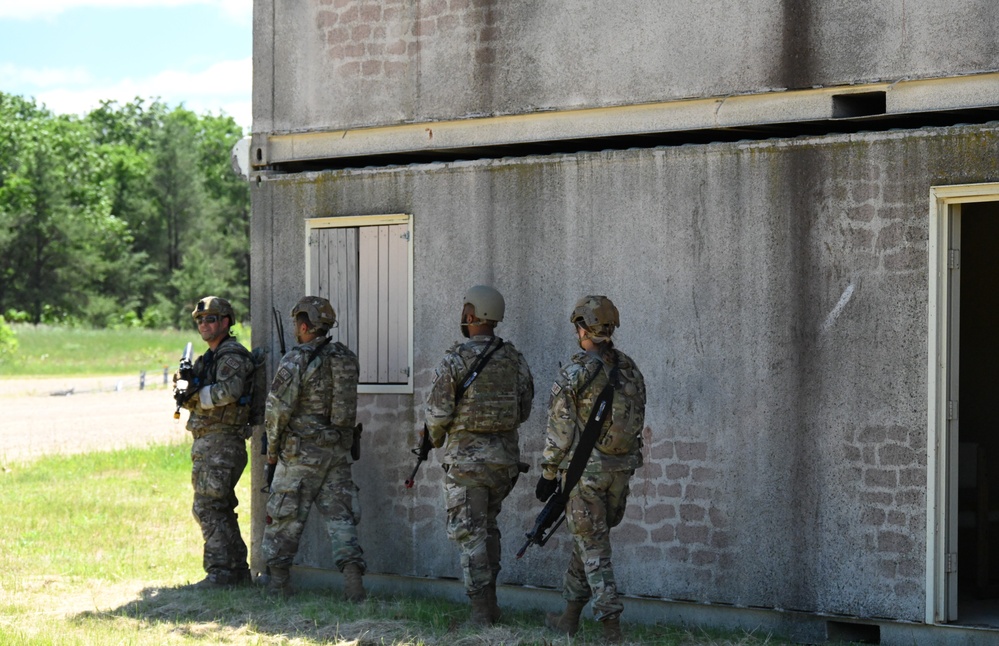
column 71, row 54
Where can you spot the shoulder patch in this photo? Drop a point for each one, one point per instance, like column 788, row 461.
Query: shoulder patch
column 281, row 377
column 556, row 389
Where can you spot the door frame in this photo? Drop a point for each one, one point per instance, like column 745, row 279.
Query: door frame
column 942, row 559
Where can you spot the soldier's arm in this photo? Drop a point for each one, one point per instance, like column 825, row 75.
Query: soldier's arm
column 231, row 375
column 440, row 403
column 561, row 426
column 280, row 404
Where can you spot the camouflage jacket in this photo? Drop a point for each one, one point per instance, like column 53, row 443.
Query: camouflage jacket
column 222, row 402
column 482, row 427
column 619, row 447
column 315, row 400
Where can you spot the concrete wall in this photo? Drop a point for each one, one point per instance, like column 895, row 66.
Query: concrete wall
column 336, row 64
column 775, row 296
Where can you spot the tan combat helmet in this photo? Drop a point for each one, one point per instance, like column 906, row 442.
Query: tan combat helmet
column 488, row 303
column 597, row 316
column 489, row 307
column 320, row 313
column 213, row 305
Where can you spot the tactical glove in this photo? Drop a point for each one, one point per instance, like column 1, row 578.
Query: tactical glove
column 545, row 488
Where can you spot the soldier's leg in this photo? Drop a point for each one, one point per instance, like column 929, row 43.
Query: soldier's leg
column 340, row 505
column 467, row 525
column 218, row 462
column 291, row 497
column 586, row 516
column 502, row 481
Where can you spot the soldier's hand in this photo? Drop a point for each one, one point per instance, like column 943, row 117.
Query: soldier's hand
column 545, row 488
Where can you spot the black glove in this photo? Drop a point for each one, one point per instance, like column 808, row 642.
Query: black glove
column 545, row 488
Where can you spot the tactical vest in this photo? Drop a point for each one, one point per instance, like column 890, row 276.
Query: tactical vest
column 238, row 412
column 490, row 405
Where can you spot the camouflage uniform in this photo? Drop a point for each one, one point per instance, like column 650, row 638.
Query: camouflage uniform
column 482, row 451
column 598, row 501
column 220, row 412
column 310, row 420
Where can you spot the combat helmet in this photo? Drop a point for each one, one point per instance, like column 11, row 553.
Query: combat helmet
column 213, row 305
column 597, row 316
column 487, row 301
column 320, row 313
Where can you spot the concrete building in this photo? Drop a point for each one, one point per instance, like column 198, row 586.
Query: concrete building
column 794, row 205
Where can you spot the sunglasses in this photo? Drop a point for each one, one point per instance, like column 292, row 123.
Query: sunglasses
column 211, row 318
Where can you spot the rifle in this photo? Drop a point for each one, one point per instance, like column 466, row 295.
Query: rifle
column 186, row 383
column 552, row 516
column 421, row 454
column 555, row 507
column 268, row 467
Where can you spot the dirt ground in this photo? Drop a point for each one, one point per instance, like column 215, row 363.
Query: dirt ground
column 80, row 414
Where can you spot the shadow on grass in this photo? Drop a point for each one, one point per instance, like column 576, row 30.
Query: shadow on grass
column 317, row 617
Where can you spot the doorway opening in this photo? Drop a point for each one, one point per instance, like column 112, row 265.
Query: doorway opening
column 963, row 559
column 978, row 411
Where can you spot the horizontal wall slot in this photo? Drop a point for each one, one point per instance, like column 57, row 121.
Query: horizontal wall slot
column 855, row 633
column 859, row 104
column 873, row 120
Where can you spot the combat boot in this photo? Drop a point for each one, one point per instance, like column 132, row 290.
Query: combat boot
column 567, row 622
column 279, row 583
column 612, row 630
column 494, row 610
column 481, row 609
column 353, row 589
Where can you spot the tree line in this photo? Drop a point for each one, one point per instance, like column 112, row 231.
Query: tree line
column 123, row 217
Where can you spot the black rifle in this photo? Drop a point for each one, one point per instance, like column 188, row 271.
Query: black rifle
column 423, row 452
column 554, row 510
column 268, row 467
column 552, row 516
column 186, row 383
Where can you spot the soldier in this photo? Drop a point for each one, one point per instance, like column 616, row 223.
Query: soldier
column 482, row 392
column 597, row 502
column 220, row 412
column 310, row 423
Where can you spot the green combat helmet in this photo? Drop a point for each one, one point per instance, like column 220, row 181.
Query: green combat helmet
column 320, row 313
column 597, row 315
column 213, row 305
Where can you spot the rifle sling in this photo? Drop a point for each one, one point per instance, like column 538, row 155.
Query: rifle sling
column 588, row 438
column 477, row 367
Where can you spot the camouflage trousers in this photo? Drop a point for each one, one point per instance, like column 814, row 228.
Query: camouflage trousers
column 595, row 505
column 474, row 494
column 309, row 475
column 218, row 462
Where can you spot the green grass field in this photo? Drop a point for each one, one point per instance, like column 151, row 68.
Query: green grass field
column 56, row 351
column 99, row 550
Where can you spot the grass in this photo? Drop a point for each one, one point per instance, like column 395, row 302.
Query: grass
column 57, row 351
column 99, row 548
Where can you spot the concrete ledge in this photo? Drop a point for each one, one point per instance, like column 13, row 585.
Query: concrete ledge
column 771, row 108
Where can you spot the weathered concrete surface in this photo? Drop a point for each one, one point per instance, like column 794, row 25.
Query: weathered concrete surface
column 338, row 64
column 775, row 295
